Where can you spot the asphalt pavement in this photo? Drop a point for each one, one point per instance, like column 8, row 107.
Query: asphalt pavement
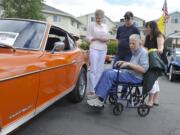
column 66, row 118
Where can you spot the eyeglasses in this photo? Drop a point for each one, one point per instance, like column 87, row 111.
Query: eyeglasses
column 127, row 17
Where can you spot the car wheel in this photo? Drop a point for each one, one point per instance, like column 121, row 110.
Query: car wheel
column 171, row 73
column 79, row 91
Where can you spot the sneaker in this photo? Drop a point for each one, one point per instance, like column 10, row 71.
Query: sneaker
column 95, row 102
column 91, row 95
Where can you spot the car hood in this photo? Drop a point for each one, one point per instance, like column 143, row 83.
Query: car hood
column 18, row 63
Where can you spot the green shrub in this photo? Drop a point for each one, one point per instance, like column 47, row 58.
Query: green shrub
column 84, row 45
column 112, row 47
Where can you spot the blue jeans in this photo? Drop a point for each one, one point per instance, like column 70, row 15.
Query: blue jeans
column 109, row 76
column 123, row 58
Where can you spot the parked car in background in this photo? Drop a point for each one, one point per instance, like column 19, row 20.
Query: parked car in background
column 173, row 57
column 39, row 64
column 108, row 59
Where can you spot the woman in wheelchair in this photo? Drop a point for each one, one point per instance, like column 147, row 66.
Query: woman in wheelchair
column 137, row 66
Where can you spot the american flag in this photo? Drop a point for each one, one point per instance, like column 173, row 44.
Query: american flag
column 165, row 11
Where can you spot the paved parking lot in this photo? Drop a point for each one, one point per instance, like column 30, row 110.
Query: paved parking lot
column 65, row 118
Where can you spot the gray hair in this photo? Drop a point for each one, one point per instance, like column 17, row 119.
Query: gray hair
column 136, row 37
column 99, row 13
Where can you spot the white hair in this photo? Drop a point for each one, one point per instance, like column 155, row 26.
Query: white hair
column 136, row 37
column 99, row 13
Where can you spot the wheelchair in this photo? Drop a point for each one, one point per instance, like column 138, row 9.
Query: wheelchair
column 134, row 97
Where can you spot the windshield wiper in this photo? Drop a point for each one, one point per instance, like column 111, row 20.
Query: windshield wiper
column 7, row 46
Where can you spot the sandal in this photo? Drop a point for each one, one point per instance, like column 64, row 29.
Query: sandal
column 149, row 105
column 156, row 104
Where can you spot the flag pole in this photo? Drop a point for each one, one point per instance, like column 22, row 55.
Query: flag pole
column 166, row 16
column 165, row 29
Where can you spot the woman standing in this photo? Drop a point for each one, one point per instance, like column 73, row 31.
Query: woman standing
column 97, row 37
column 154, row 40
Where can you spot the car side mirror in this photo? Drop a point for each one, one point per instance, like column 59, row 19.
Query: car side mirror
column 58, row 46
column 76, row 38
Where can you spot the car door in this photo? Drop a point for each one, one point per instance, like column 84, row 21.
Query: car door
column 58, row 74
column 66, row 74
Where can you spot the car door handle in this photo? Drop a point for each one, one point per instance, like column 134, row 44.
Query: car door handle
column 73, row 61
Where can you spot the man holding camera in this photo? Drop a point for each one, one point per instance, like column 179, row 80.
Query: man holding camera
column 123, row 34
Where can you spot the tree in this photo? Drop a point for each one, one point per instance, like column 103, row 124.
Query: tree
column 27, row 9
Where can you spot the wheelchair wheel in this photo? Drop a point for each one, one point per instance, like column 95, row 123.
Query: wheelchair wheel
column 143, row 110
column 118, row 108
column 136, row 100
column 113, row 98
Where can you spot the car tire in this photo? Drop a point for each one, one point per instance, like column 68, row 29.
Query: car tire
column 79, row 91
column 171, row 74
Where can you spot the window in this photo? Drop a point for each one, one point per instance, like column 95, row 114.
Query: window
column 73, row 23
column 175, row 19
column 71, row 43
column 30, row 33
column 85, row 29
column 93, row 19
column 110, row 32
column 135, row 24
column 57, row 35
column 56, row 18
column 78, row 26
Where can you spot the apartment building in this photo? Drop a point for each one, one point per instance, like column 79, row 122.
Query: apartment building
column 62, row 19
column 87, row 19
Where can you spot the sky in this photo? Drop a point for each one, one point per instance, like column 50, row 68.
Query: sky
column 115, row 9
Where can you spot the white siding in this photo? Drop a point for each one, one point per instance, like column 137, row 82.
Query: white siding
column 65, row 23
column 83, row 19
column 87, row 19
column 138, row 22
column 171, row 26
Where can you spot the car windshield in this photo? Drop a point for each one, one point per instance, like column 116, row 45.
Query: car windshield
column 21, row 34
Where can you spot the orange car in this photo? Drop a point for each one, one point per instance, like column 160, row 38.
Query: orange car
column 39, row 64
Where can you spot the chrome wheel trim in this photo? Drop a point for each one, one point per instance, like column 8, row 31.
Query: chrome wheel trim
column 82, row 84
column 171, row 72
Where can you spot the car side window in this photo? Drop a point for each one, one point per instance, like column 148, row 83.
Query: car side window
column 71, row 43
column 50, row 42
column 57, row 35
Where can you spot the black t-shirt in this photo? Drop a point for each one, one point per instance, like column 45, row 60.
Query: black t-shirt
column 150, row 43
column 123, row 34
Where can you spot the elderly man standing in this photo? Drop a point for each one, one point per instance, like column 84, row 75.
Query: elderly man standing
column 137, row 66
